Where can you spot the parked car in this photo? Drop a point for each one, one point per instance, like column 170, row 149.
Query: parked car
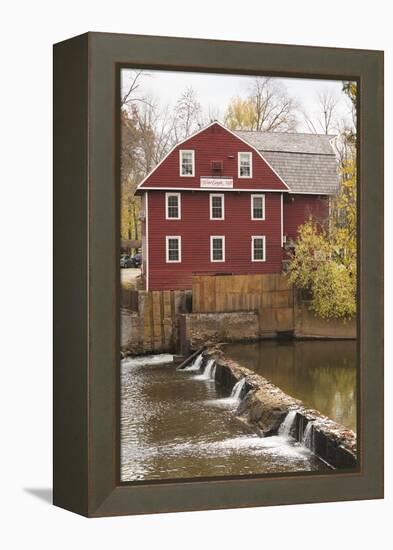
column 126, row 261
column 137, row 260
column 131, row 261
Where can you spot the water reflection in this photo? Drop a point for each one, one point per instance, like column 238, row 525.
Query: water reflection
column 320, row 373
column 180, row 425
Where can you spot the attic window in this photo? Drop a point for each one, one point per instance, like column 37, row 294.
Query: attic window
column 245, row 165
column 187, row 163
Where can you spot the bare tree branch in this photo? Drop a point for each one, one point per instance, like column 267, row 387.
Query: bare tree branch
column 128, row 98
column 187, row 114
column 267, row 108
column 324, row 120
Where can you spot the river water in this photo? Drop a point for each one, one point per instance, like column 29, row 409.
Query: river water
column 179, row 424
column 321, row 373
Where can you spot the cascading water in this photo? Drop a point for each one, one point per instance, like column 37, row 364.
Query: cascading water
column 209, row 371
column 237, row 389
column 308, row 436
column 287, row 424
column 148, row 360
column 195, row 365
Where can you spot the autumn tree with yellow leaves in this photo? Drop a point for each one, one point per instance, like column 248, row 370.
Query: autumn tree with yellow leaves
column 325, row 257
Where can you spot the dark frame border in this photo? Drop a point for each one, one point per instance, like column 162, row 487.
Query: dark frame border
column 86, row 211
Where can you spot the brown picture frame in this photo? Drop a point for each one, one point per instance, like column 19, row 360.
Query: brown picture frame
column 86, row 272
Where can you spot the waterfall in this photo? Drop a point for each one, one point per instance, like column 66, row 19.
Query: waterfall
column 238, row 389
column 287, row 424
column 308, row 436
column 210, row 371
column 195, row 365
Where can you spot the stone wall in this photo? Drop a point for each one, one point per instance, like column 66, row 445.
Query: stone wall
column 241, row 326
column 198, row 329
column 130, row 331
column 309, row 325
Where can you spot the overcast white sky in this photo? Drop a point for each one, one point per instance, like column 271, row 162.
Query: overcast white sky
column 215, row 91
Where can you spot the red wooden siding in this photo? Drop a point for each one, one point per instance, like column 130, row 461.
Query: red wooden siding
column 215, row 143
column 195, row 229
column 299, row 208
column 144, row 239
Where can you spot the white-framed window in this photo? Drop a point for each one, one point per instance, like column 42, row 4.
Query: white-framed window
column 258, row 248
column 217, row 248
column 217, row 209
column 244, row 164
column 172, row 206
column 173, row 249
column 257, row 207
column 187, row 163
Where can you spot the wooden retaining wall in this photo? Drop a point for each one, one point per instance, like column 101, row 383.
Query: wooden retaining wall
column 155, row 327
column 223, row 293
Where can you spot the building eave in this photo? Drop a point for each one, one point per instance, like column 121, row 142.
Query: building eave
column 142, row 190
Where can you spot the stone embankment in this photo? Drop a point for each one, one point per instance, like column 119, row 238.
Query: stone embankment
column 264, row 407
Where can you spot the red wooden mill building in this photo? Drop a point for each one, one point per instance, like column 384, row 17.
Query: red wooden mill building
column 227, row 201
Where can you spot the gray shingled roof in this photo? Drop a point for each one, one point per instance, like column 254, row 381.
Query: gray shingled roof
column 306, row 162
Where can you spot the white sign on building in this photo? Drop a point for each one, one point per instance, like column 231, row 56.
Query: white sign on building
column 217, row 183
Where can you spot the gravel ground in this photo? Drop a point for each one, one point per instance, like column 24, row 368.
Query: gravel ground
column 128, row 277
